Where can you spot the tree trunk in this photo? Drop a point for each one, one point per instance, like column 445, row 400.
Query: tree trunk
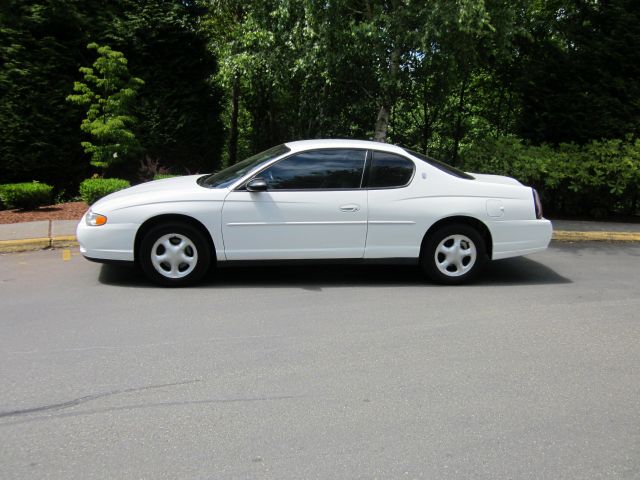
column 239, row 18
column 382, row 124
column 458, row 129
column 499, row 122
column 426, row 121
column 233, row 130
column 388, row 98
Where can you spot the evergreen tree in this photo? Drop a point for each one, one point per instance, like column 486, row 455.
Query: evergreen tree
column 108, row 92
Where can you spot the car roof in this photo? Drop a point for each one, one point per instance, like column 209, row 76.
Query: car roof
column 302, row 145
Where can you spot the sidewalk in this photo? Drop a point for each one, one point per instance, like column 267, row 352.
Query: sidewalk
column 18, row 237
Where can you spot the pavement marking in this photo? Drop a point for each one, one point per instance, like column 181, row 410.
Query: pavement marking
column 66, row 255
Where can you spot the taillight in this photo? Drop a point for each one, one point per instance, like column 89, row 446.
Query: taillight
column 537, row 204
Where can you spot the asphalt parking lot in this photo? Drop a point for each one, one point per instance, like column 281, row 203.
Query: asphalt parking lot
column 323, row 372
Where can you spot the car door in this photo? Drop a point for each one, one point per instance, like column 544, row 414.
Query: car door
column 313, row 207
column 395, row 207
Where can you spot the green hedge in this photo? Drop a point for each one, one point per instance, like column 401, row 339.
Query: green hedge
column 93, row 189
column 26, row 196
column 162, row 176
column 596, row 180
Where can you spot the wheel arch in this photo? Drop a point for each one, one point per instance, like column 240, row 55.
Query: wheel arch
column 168, row 218
column 473, row 222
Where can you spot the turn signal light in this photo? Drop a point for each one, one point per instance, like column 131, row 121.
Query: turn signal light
column 95, row 219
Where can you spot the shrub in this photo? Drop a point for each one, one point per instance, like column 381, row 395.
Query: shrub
column 25, row 195
column 162, row 176
column 595, row 179
column 93, row 189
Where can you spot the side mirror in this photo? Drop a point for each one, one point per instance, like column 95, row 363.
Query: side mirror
column 257, row 184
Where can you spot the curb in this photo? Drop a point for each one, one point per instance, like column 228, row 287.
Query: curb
column 28, row 244
column 570, row 236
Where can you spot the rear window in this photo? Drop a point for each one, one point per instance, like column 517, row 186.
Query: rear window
column 441, row 165
column 389, row 170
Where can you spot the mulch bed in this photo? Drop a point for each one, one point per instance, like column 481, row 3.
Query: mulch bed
column 62, row 211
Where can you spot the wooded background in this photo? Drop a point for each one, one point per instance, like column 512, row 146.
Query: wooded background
column 545, row 90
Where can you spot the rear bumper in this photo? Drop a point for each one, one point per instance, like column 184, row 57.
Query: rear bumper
column 519, row 237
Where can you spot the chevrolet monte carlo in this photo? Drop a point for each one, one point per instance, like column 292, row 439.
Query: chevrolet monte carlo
column 316, row 200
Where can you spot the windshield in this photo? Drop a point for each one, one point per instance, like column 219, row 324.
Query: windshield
column 441, row 165
column 226, row 177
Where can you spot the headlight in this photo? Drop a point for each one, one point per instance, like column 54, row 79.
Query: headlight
column 95, row 219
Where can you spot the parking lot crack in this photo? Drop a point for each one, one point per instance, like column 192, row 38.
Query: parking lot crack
column 87, row 398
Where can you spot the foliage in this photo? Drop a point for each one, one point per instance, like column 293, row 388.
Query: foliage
column 579, row 72
column 435, row 76
column 150, row 169
column 43, row 44
column 162, row 176
column 93, row 189
column 26, row 196
column 108, row 92
column 596, row 179
column 178, row 107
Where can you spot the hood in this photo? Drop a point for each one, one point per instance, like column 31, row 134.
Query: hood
column 159, row 191
column 165, row 184
column 500, row 179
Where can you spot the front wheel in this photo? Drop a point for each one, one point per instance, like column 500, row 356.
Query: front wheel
column 453, row 254
column 174, row 255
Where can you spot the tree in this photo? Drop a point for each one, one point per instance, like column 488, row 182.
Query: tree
column 108, row 92
column 580, row 72
column 179, row 105
column 42, row 44
column 339, row 68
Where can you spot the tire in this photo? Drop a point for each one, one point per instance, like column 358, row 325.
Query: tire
column 453, row 254
column 174, row 255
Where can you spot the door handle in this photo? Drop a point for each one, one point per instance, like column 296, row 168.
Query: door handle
column 350, row 208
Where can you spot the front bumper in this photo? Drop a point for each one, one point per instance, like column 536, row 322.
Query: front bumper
column 107, row 242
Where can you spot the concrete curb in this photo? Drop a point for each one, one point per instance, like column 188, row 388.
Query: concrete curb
column 27, row 244
column 570, row 236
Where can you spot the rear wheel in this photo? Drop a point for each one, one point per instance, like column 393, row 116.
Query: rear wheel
column 453, row 254
column 174, row 255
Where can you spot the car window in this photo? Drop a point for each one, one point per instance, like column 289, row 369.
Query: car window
column 318, row 170
column 389, row 170
column 226, row 177
column 441, row 165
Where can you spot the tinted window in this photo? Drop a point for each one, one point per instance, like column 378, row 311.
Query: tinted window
column 226, row 177
column 389, row 170
column 317, row 169
column 441, row 165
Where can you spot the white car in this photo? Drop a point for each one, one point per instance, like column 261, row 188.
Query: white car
column 318, row 200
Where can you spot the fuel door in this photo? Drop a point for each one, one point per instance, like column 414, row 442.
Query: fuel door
column 495, row 208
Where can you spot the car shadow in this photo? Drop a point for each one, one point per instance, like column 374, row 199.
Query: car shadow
column 520, row 271
column 578, row 249
column 514, row 271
